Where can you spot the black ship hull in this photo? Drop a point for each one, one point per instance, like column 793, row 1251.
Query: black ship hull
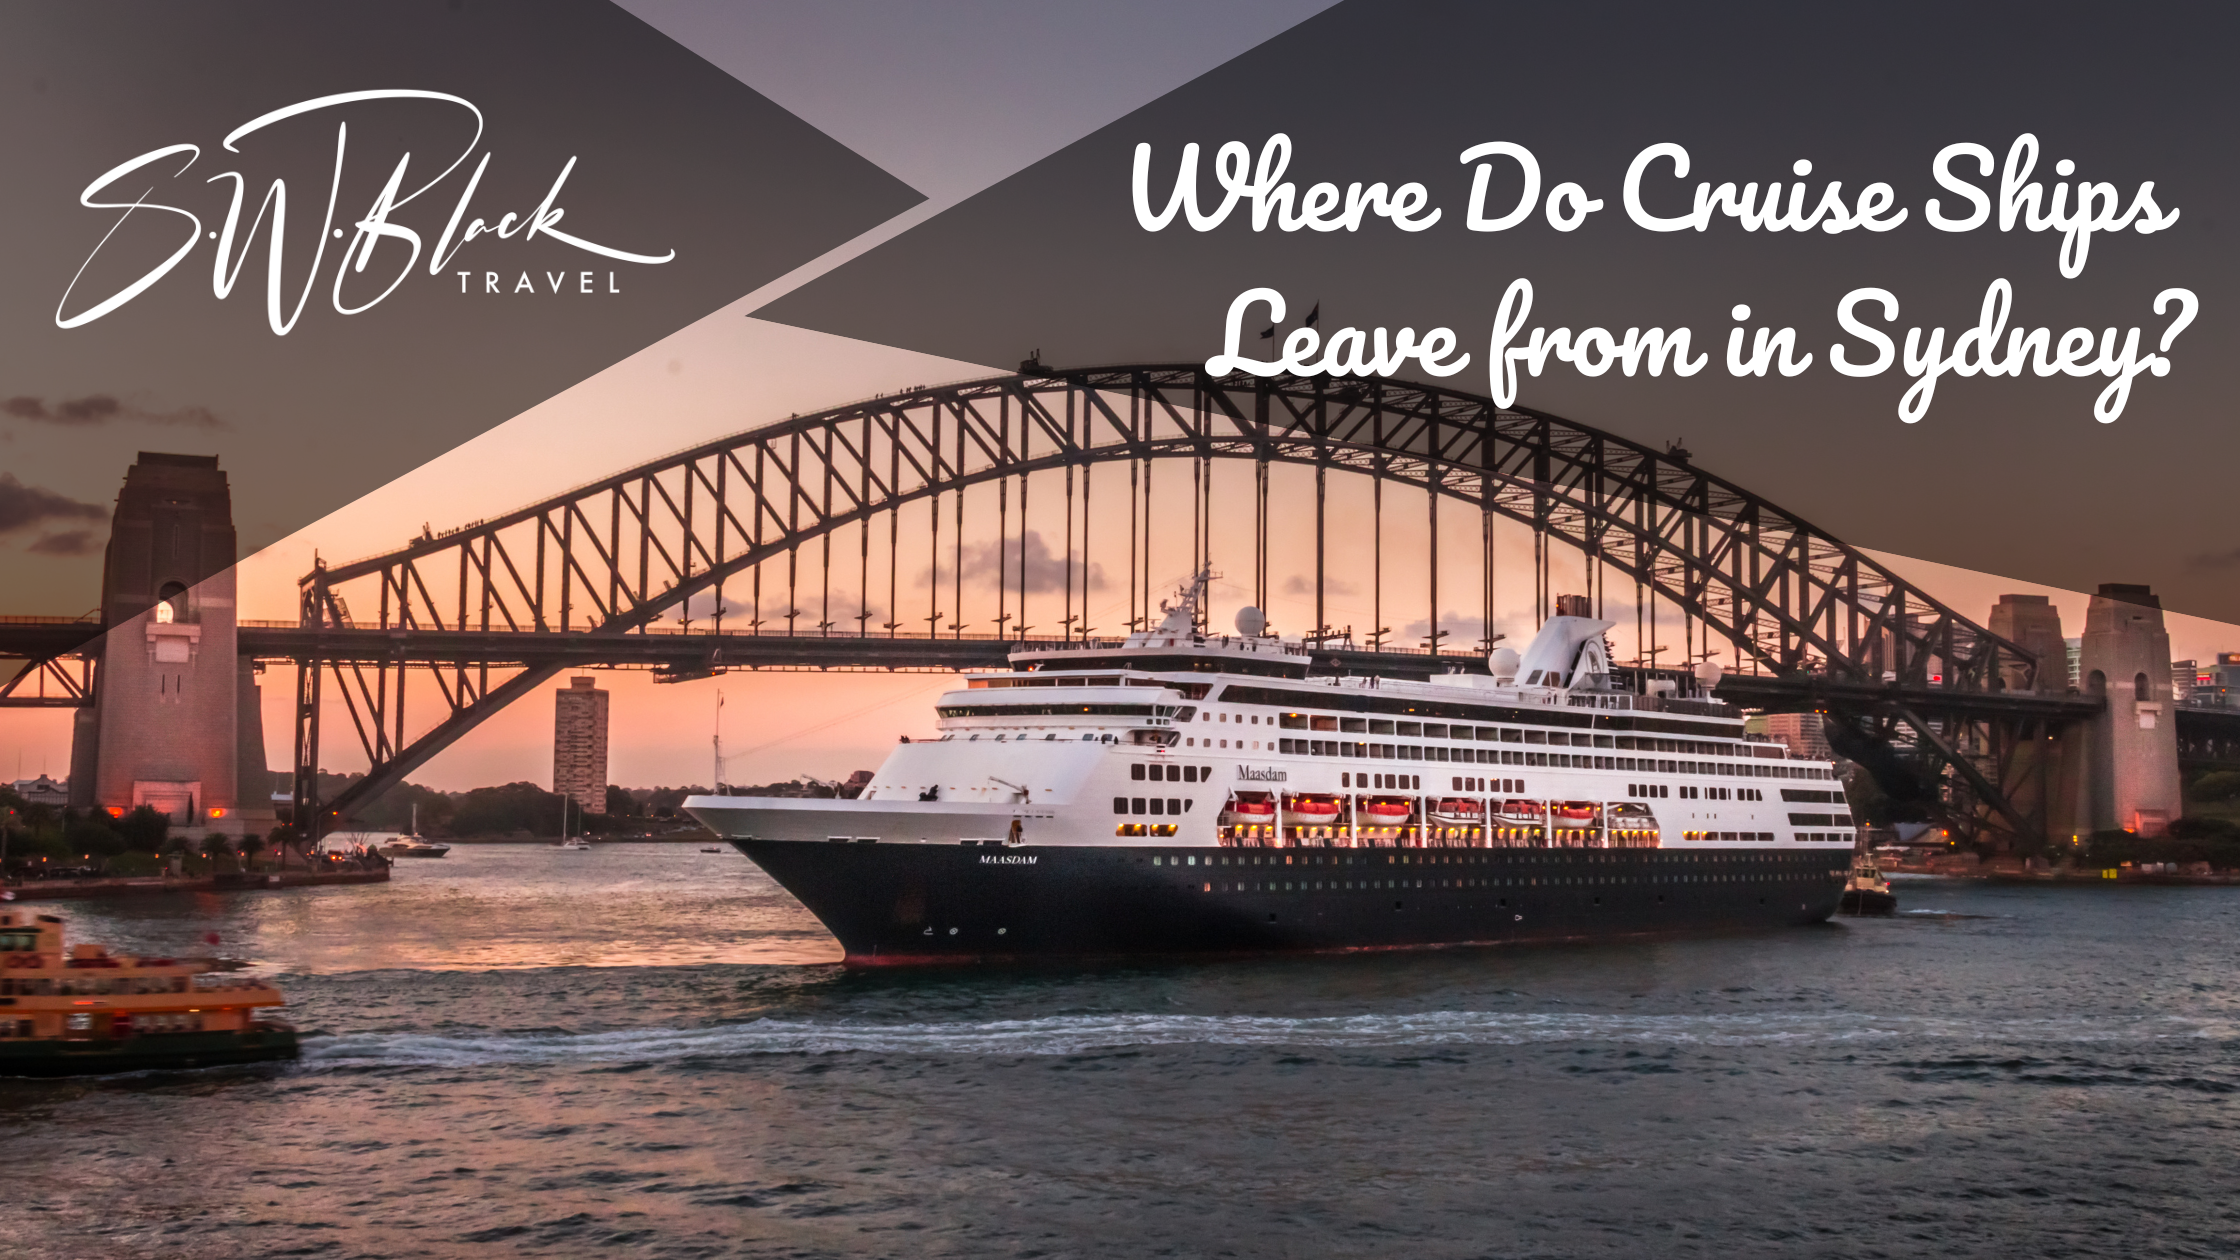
column 154, row 1052
column 916, row 904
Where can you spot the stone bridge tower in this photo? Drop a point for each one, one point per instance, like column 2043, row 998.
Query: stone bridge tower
column 2126, row 659
column 174, row 723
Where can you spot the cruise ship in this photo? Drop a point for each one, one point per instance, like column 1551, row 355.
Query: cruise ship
column 1184, row 793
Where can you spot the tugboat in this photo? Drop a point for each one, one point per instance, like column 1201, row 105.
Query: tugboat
column 88, row 1012
column 1867, row 892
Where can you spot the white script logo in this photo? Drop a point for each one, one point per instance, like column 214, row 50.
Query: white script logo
column 371, row 229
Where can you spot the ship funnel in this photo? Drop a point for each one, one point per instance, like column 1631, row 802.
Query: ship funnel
column 1566, row 651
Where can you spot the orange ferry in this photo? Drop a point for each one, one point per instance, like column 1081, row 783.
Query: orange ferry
column 89, row 1011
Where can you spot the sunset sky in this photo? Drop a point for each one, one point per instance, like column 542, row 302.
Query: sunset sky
column 731, row 372
column 952, row 106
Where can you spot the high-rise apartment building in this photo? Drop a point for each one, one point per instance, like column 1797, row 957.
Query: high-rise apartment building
column 579, row 744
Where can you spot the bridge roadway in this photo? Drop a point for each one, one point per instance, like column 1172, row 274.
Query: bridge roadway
column 684, row 655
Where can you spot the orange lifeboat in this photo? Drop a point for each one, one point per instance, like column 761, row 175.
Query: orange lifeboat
column 1311, row 810
column 1379, row 811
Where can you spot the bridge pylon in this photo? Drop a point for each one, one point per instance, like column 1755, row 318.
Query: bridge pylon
column 174, row 722
column 2125, row 661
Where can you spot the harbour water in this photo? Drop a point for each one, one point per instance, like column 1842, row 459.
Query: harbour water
column 648, row 1051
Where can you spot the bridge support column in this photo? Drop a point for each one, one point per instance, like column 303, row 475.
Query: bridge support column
column 2134, row 760
column 2045, row 763
column 167, row 719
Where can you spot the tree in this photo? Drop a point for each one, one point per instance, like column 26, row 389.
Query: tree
column 90, row 836
column 145, row 829
column 620, row 804
column 251, row 846
column 497, row 811
column 2217, row 785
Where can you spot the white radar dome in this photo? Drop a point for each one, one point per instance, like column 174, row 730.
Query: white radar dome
column 1708, row 674
column 1251, row 622
column 1503, row 662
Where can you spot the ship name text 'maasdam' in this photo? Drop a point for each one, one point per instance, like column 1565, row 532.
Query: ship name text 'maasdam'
column 1179, row 742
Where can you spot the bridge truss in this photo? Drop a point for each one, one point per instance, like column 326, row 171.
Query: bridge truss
column 725, row 556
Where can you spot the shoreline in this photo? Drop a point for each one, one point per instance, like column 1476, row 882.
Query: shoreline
column 2096, row 875
column 150, row 885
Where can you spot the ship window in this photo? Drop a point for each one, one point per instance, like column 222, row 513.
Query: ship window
column 1119, row 804
column 1379, row 726
column 1256, row 719
column 1435, row 730
column 1536, row 737
column 1136, row 806
column 1135, row 771
column 1295, row 721
column 1158, row 805
column 1410, row 728
column 1174, row 805
column 1189, row 774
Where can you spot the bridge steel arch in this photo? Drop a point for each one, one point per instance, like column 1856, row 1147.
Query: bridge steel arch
column 603, row 566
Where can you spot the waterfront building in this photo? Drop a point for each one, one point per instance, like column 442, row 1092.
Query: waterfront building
column 1805, row 734
column 579, row 744
column 44, row 791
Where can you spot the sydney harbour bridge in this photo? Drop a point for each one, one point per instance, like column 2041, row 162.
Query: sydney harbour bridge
column 724, row 557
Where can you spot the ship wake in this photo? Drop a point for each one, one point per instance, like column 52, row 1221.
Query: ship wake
column 1080, row 1034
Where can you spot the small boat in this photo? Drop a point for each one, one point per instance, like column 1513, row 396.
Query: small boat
column 571, row 843
column 87, row 1012
column 1457, row 810
column 712, row 848
column 413, row 845
column 1867, row 892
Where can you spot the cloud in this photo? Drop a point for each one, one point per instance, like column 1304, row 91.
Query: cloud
column 23, row 506
column 738, row 610
column 69, row 542
column 96, row 409
column 2216, row 559
column 1300, row 584
column 1045, row 570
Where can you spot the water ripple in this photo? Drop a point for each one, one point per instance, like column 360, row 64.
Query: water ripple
column 1076, row 1034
